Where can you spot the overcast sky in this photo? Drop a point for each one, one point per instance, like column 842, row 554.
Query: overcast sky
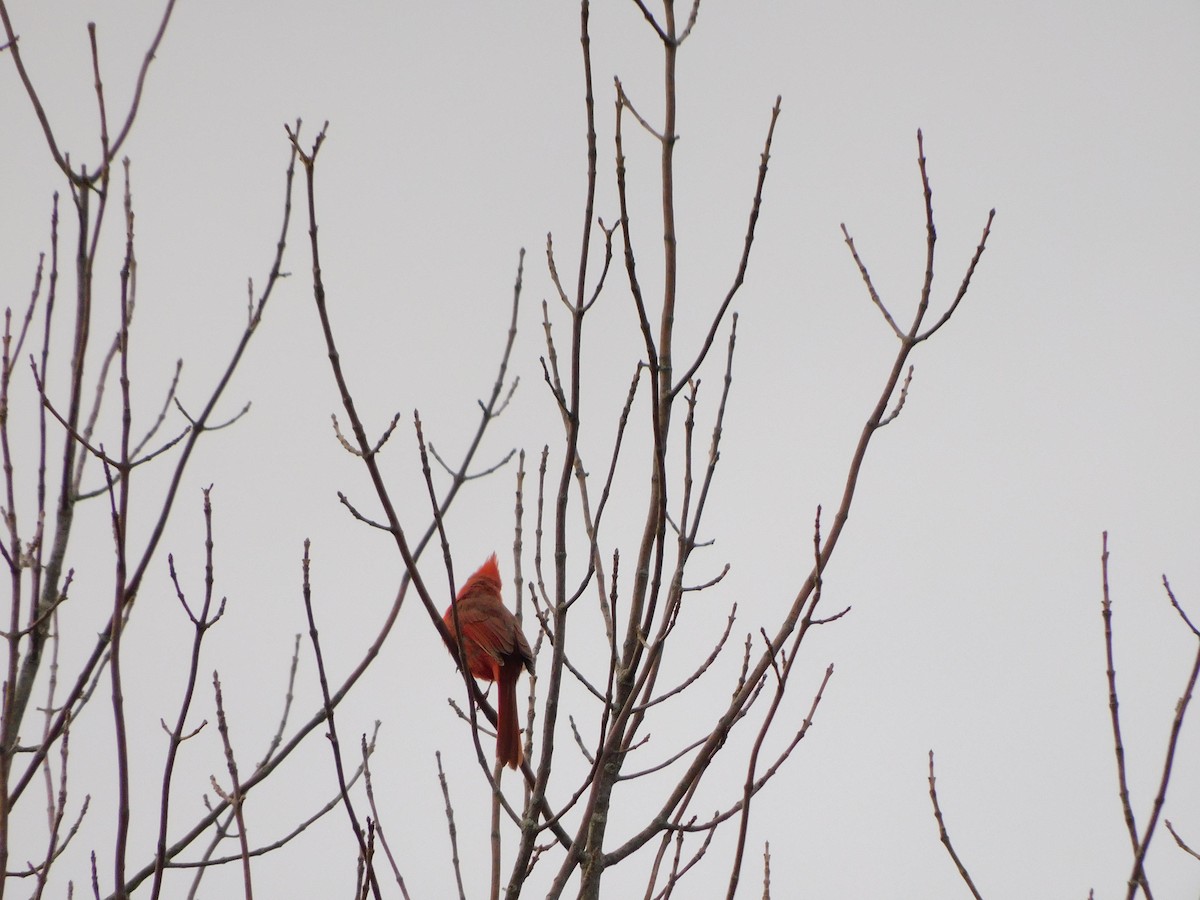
column 1059, row 402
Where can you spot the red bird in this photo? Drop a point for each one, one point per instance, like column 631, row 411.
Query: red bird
column 495, row 648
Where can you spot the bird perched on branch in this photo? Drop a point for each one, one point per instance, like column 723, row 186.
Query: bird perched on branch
column 495, row 650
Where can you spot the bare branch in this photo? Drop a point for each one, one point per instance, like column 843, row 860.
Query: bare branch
column 366, row 771
column 200, row 624
column 1178, row 840
column 623, row 99
column 744, row 262
column 234, row 797
column 945, row 836
column 1122, row 783
column 712, row 582
column 335, row 746
column 208, row 861
column 1137, row 876
column 99, row 656
column 691, row 22
column 110, row 150
column 67, row 426
column 966, row 282
column 553, row 268
column 483, row 473
column 900, row 400
column 703, row 667
column 354, row 512
column 453, row 830
column 866, row 277
column 1178, row 608
column 662, row 35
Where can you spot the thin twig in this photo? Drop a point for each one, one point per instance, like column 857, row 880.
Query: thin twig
column 451, row 826
column 99, row 657
column 1180, row 841
column 208, row 861
column 1137, row 877
column 1179, row 609
column 234, row 797
column 335, row 746
column 945, row 835
column 1113, row 706
column 366, row 771
column 200, row 625
column 744, row 262
column 866, row 277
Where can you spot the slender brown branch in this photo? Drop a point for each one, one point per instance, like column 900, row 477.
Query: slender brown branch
column 743, row 262
column 966, row 282
column 234, row 797
column 1137, row 878
column 208, row 861
column 67, row 426
column 119, row 505
column 680, row 868
column 366, row 773
column 112, row 150
column 714, row 448
column 552, row 267
column 200, row 624
column 623, row 99
column 945, row 835
column 1113, row 707
column 749, row 684
column 571, row 420
column 1179, row 609
column 334, row 744
column 1180, row 841
column 58, row 843
column 751, row 786
column 699, row 670
column 488, row 410
column 662, row 35
column 99, row 656
column 691, row 22
column 482, row 473
column 900, row 400
column 30, row 308
column 454, row 863
column 866, row 277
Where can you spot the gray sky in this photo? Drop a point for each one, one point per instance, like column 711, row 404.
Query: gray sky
column 1060, row 401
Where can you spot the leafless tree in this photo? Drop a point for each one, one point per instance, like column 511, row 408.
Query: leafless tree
column 570, row 819
column 562, row 821
column 1139, row 881
column 82, row 453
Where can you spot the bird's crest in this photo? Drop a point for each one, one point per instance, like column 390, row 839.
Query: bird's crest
column 488, row 572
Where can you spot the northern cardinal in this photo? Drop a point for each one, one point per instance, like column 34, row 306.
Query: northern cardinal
column 495, row 649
